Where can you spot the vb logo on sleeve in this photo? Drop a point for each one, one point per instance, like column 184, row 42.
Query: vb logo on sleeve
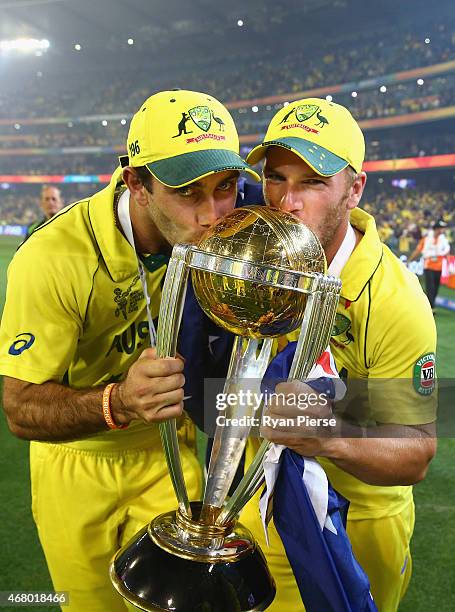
column 425, row 374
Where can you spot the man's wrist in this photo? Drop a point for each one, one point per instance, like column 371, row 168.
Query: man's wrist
column 333, row 448
column 118, row 410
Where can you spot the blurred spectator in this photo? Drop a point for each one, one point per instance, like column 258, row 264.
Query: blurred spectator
column 433, row 247
column 20, row 205
column 50, row 202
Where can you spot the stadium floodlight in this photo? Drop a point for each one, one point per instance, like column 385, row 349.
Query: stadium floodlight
column 25, row 45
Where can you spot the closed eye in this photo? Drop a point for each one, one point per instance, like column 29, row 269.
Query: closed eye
column 227, row 185
column 186, row 191
column 314, row 181
column 272, row 176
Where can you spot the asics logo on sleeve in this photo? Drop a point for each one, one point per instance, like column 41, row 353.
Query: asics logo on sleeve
column 22, row 343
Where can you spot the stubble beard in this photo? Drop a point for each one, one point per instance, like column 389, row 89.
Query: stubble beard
column 169, row 232
column 327, row 230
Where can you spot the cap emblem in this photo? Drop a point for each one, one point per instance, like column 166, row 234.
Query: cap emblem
column 201, row 116
column 305, row 111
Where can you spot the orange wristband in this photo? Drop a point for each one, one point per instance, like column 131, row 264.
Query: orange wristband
column 107, row 408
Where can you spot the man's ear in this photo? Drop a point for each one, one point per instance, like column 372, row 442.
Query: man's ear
column 356, row 190
column 135, row 185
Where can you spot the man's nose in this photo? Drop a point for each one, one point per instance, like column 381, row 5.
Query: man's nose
column 291, row 201
column 209, row 212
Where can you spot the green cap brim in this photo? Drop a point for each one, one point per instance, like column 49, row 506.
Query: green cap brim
column 183, row 169
column 320, row 159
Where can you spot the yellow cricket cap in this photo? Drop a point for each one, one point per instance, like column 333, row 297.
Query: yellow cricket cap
column 324, row 134
column 182, row 136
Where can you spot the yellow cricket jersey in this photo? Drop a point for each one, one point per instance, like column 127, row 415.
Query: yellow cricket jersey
column 384, row 331
column 75, row 311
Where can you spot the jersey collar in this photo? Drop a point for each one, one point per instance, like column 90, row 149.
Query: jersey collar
column 365, row 258
column 115, row 249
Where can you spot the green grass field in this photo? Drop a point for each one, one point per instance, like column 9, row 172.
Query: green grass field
column 432, row 585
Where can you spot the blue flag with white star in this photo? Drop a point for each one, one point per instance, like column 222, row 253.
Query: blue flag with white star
column 327, row 573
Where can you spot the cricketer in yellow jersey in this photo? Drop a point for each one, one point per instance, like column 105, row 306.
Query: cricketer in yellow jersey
column 75, row 321
column 384, row 329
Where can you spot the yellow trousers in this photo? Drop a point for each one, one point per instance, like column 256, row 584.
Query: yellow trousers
column 88, row 504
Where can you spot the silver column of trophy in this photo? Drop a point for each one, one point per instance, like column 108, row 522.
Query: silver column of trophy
column 258, row 273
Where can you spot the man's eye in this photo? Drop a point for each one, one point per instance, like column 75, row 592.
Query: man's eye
column 273, row 177
column 226, row 185
column 314, row 182
column 186, row 191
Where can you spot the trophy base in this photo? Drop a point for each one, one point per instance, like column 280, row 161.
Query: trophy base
column 165, row 568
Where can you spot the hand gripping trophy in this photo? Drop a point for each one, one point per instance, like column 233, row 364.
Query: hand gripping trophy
column 258, row 273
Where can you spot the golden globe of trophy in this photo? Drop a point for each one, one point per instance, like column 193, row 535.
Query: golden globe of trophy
column 259, row 273
column 269, row 238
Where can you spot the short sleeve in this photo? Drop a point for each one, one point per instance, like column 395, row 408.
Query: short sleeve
column 402, row 373
column 41, row 320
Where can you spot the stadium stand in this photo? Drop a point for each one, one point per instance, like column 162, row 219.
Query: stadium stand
column 349, row 61
column 56, row 128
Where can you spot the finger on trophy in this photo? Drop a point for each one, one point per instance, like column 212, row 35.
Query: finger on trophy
column 151, row 385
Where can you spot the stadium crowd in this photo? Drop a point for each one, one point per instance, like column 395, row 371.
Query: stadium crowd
column 81, row 164
column 61, row 143
column 398, row 99
column 425, row 142
column 401, row 214
column 354, row 61
column 380, row 145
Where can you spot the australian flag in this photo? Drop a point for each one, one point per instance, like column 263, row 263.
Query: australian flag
column 328, row 575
